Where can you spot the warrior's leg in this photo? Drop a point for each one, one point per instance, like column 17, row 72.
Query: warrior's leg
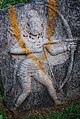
column 47, row 81
column 26, row 89
column 25, row 82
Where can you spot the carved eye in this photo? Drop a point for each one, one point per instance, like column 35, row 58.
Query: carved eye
column 38, row 36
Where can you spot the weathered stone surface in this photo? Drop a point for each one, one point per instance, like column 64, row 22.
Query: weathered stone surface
column 59, row 67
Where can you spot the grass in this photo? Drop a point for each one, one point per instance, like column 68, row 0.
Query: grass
column 72, row 111
column 3, row 114
column 8, row 3
column 0, row 116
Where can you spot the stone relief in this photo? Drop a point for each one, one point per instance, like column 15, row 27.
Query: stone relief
column 36, row 50
column 33, row 33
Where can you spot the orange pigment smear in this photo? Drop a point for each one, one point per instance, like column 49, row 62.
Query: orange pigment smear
column 49, row 30
column 51, row 24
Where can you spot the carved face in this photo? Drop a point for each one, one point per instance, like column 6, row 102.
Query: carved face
column 35, row 26
column 33, row 32
column 34, row 22
column 32, row 13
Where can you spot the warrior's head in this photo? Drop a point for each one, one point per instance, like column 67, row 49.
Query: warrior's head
column 35, row 23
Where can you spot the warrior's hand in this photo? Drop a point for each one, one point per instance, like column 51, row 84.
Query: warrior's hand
column 71, row 46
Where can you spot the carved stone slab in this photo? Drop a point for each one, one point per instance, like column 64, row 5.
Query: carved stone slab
column 25, row 84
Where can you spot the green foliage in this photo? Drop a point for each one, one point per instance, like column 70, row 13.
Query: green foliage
column 3, row 114
column 0, row 116
column 8, row 3
column 1, row 98
column 72, row 111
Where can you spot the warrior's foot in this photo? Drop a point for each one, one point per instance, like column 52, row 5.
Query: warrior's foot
column 13, row 108
column 59, row 102
column 14, row 111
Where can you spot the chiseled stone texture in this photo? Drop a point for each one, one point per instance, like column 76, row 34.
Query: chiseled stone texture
column 39, row 96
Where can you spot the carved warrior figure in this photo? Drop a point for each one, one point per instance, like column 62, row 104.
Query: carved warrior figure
column 36, row 41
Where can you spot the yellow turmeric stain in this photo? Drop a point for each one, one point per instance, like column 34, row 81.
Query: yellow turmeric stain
column 49, row 30
column 51, row 24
